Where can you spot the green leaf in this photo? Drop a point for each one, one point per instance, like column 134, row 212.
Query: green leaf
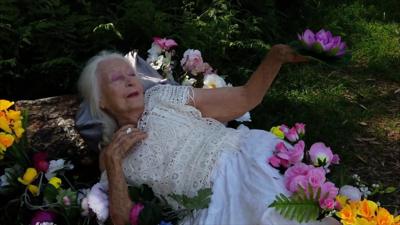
column 200, row 201
column 50, row 193
column 389, row 190
column 296, row 208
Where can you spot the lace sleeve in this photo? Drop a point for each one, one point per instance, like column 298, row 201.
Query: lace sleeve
column 180, row 95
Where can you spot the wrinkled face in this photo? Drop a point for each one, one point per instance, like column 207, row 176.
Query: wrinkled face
column 120, row 89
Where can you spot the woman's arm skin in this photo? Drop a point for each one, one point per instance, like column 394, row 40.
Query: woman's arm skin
column 112, row 158
column 228, row 103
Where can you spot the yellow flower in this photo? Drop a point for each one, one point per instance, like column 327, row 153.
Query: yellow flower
column 13, row 115
column 277, row 132
column 342, row 200
column 55, row 181
column 367, row 209
column 29, row 176
column 4, row 124
column 18, row 130
column 347, row 215
column 396, row 220
column 6, row 140
column 4, row 104
column 384, row 217
column 363, row 221
column 33, row 189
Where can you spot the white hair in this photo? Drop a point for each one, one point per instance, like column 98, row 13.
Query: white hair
column 89, row 88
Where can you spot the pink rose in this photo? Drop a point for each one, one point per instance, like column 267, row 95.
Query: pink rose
column 191, row 59
column 135, row 212
column 297, row 182
column 329, row 190
column 327, row 203
column 299, row 169
column 164, row 43
column 274, row 161
column 316, row 177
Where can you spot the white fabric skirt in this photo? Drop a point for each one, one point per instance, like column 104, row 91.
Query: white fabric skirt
column 244, row 184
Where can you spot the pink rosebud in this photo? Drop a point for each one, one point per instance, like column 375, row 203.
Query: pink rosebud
column 164, row 43
column 284, row 128
column 66, row 201
column 327, row 203
column 292, row 135
column 300, row 128
column 329, row 190
column 335, row 159
column 40, row 161
column 135, row 212
column 43, row 216
column 297, row 182
column 316, row 177
column 274, row 161
column 320, row 154
column 297, row 153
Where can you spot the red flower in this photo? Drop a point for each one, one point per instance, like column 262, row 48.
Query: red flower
column 40, row 161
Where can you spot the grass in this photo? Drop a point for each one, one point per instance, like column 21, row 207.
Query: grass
column 355, row 110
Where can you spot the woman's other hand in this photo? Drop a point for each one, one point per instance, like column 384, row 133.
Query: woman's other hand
column 122, row 142
column 285, row 54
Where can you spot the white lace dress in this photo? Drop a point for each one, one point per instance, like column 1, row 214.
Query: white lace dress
column 185, row 152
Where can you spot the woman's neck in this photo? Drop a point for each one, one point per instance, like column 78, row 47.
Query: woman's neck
column 131, row 117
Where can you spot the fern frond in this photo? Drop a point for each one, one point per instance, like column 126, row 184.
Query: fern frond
column 299, row 207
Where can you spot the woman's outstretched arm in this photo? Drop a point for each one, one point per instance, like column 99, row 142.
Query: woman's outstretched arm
column 228, row 103
column 112, row 158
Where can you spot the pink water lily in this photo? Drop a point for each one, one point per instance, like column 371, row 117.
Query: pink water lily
column 323, row 42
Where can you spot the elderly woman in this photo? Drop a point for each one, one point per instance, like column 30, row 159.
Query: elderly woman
column 172, row 138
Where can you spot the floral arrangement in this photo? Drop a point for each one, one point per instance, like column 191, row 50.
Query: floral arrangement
column 323, row 47
column 41, row 189
column 195, row 71
column 311, row 195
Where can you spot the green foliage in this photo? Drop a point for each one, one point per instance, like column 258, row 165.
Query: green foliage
column 297, row 207
column 200, row 201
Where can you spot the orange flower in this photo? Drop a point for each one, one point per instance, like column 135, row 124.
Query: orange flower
column 367, row 209
column 347, row 215
column 6, row 140
column 384, row 217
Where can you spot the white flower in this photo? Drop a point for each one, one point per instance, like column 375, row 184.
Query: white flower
column 98, row 201
column 351, row 192
column 57, row 165
column 188, row 82
column 3, row 180
column 244, row 117
column 191, row 59
column 213, row 81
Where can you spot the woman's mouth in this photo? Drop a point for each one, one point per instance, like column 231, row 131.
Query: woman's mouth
column 133, row 94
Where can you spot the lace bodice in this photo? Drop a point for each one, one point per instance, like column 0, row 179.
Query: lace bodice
column 181, row 148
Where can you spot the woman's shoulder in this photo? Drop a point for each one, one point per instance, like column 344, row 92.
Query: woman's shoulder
column 169, row 93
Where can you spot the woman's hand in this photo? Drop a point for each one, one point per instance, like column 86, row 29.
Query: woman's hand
column 285, row 54
column 122, row 142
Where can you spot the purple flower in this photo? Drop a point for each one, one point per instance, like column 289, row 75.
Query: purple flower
column 323, row 41
column 135, row 212
column 165, row 223
column 308, row 38
column 43, row 216
column 321, row 155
